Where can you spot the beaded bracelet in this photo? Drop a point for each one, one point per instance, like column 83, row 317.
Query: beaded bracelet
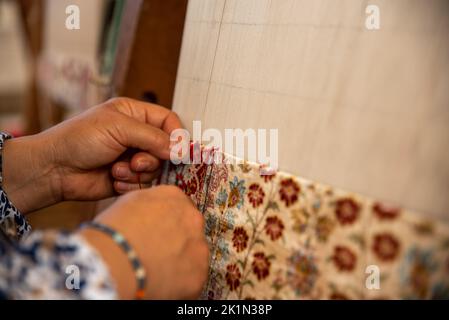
column 3, row 137
column 135, row 262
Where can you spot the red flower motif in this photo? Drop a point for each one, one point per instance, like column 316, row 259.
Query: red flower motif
column 273, row 227
column 240, row 239
column 234, row 197
column 233, row 276
column 261, row 265
column 383, row 211
column 386, row 246
column 268, row 177
column 289, row 191
column 191, row 187
column 210, row 295
column 200, row 173
column 266, row 173
column 344, row 258
column 347, row 210
column 179, row 176
column 255, row 195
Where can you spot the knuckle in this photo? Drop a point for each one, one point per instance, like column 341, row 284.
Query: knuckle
column 160, row 141
column 117, row 101
column 198, row 221
column 174, row 197
column 171, row 191
column 176, row 194
column 174, row 115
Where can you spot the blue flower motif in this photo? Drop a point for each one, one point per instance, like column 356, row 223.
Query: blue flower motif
column 415, row 272
column 222, row 197
column 302, row 272
column 236, row 193
column 222, row 251
column 229, row 219
column 211, row 223
column 440, row 291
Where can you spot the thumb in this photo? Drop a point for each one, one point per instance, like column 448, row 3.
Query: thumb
column 135, row 134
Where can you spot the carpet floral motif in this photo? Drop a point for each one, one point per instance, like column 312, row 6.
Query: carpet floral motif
column 285, row 237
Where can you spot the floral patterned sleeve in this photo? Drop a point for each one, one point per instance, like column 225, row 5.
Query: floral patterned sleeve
column 46, row 265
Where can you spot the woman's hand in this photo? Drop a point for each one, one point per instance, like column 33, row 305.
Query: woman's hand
column 89, row 156
column 167, row 236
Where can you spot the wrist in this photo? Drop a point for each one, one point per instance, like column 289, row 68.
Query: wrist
column 115, row 259
column 29, row 173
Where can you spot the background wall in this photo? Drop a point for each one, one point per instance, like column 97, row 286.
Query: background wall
column 15, row 75
column 364, row 110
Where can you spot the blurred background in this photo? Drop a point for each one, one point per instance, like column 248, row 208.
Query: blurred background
column 49, row 73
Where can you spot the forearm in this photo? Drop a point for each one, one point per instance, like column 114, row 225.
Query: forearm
column 29, row 173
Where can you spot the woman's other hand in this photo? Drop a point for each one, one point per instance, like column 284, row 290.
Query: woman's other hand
column 168, row 237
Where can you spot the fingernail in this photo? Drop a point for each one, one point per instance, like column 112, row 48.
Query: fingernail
column 122, row 186
column 121, row 172
column 142, row 165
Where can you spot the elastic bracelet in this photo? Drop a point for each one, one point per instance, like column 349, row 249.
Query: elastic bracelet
column 139, row 271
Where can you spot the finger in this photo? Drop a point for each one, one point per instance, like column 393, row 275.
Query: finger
column 149, row 113
column 143, row 161
column 135, row 134
column 142, row 178
column 122, row 172
column 124, row 187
